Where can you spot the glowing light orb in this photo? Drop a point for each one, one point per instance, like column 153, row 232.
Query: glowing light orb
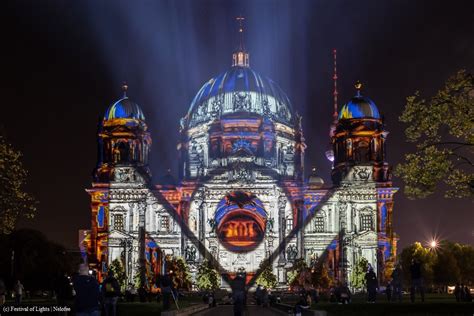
column 330, row 155
column 433, row 244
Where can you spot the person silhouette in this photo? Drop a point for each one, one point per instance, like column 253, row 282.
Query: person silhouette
column 457, row 292
column 372, row 284
column 87, row 292
column 467, row 294
column 397, row 283
column 416, row 280
column 238, row 294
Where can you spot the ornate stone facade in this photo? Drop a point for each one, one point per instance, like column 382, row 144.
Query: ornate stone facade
column 241, row 197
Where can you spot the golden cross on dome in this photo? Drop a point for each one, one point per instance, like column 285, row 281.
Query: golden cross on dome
column 241, row 21
column 124, row 89
column 358, row 86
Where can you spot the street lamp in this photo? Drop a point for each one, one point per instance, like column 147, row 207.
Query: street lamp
column 433, row 244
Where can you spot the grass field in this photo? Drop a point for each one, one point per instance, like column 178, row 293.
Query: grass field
column 434, row 305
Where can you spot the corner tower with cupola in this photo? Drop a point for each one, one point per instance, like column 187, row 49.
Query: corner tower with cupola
column 119, row 195
column 123, row 140
column 363, row 178
column 359, row 140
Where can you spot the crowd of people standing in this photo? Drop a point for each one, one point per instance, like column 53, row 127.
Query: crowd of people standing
column 462, row 293
column 92, row 298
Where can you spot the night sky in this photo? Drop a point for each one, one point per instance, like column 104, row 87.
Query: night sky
column 63, row 62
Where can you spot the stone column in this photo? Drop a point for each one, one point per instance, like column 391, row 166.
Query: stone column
column 202, row 220
column 299, row 204
column 282, row 229
column 141, row 240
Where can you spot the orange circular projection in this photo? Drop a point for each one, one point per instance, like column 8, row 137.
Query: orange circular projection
column 240, row 221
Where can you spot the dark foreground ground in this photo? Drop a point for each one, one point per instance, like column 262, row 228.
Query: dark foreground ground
column 434, row 305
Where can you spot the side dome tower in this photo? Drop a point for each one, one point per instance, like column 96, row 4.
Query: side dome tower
column 359, row 140
column 123, row 140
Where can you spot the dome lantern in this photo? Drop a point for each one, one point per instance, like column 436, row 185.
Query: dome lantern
column 240, row 58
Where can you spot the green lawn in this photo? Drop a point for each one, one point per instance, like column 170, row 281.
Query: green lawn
column 416, row 309
column 435, row 304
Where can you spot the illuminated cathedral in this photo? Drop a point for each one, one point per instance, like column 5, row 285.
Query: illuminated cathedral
column 241, row 195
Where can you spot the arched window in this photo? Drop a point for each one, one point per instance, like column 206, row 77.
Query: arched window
column 122, row 151
column 366, row 222
column 289, row 223
column 118, row 222
column 193, row 224
column 319, row 224
column 349, row 150
column 362, row 151
column 165, row 223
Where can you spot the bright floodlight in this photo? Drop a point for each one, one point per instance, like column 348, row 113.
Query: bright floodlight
column 433, row 244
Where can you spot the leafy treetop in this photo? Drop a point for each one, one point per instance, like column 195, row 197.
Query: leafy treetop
column 442, row 129
column 14, row 201
column 207, row 278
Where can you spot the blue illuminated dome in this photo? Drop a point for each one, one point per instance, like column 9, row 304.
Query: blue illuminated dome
column 240, row 89
column 124, row 109
column 359, row 107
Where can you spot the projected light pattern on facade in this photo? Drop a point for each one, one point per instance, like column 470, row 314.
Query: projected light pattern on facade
column 241, row 196
column 240, row 221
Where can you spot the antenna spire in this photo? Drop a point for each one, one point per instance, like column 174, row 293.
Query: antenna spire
column 240, row 57
column 335, row 93
column 334, row 115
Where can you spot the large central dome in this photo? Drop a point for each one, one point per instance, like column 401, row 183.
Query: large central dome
column 240, row 89
column 239, row 120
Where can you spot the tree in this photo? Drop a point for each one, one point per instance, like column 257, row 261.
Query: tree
column 358, row 274
column 320, row 276
column 424, row 255
column 454, row 263
column 14, row 201
column 299, row 275
column 266, row 277
column 447, row 264
column 465, row 257
column 446, row 268
column 118, row 270
column 37, row 262
column 181, row 277
column 207, row 278
column 137, row 278
column 388, row 268
column 442, row 129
